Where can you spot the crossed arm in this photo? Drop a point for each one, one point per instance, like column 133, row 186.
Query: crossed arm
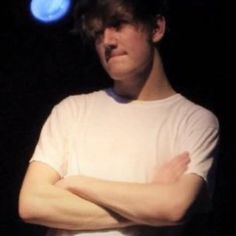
column 43, row 203
column 83, row 203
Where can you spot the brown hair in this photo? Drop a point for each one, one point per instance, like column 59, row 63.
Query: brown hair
column 91, row 16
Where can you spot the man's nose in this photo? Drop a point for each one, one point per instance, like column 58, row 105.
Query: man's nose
column 109, row 37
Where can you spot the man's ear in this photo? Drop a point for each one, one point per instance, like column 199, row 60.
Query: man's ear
column 159, row 29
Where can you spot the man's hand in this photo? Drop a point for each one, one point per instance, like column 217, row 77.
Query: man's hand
column 172, row 170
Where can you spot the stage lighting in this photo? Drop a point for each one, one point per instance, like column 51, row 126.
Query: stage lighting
column 48, row 11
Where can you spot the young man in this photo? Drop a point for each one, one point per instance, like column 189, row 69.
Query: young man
column 135, row 154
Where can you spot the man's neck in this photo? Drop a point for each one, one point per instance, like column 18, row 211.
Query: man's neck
column 154, row 86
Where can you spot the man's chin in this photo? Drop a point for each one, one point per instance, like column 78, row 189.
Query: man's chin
column 119, row 75
column 117, row 71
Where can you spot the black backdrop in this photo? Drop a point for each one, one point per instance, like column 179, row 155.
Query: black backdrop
column 41, row 64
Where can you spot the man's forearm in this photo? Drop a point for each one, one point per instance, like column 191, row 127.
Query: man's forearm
column 162, row 202
column 138, row 202
column 43, row 203
column 58, row 208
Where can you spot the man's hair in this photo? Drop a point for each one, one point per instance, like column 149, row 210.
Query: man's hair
column 94, row 15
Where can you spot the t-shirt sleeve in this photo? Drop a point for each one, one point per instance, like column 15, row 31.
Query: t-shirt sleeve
column 200, row 140
column 51, row 148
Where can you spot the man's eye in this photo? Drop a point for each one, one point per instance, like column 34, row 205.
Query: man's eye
column 117, row 24
column 96, row 34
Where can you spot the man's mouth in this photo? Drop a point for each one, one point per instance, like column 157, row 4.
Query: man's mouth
column 114, row 54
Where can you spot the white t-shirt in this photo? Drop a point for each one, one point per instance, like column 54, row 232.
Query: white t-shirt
column 104, row 136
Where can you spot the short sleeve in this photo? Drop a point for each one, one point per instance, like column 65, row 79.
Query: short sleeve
column 52, row 146
column 200, row 139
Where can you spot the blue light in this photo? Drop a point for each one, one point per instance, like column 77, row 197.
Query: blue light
column 49, row 10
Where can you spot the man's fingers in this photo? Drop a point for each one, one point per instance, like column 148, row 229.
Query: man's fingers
column 179, row 164
column 180, row 160
column 172, row 170
column 183, row 157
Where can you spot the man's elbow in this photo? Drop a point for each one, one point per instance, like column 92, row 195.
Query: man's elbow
column 177, row 213
column 172, row 213
column 28, row 210
column 25, row 210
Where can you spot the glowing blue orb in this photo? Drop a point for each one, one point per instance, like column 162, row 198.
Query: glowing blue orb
column 49, row 10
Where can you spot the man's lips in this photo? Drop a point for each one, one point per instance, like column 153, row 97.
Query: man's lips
column 114, row 54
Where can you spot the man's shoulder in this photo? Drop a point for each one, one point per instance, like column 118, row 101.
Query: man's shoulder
column 78, row 99
column 197, row 113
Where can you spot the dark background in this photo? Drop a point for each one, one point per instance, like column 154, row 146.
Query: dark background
column 41, row 64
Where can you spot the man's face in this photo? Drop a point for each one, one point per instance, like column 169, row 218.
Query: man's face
column 124, row 49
